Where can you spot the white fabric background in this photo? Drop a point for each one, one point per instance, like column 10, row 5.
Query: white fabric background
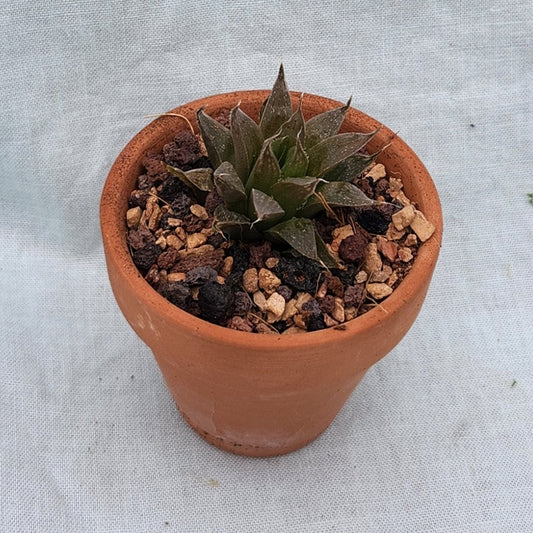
column 436, row 438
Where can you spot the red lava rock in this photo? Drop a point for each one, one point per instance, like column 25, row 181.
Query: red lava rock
column 211, row 259
column 201, row 275
column 145, row 257
column 335, row 286
column 214, row 301
column 183, row 151
column 259, row 253
column 354, row 294
column 312, row 307
column 140, row 237
column 327, row 304
column 181, row 205
column 153, row 276
column 212, row 201
column 138, row 199
column 315, row 323
column 240, row 324
column 154, row 165
column 168, row 258
column 352, row 248
column 242, row 303
column 193, row 224
column 285, row 291
column 171, row 188
column 177, row 293
column 389, row 249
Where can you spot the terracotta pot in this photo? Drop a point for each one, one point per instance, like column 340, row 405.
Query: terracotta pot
column 253, row 394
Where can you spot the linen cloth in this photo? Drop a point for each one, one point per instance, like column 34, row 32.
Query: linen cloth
column 438, row 436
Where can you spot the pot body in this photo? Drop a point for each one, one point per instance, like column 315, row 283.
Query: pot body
column 253, row 394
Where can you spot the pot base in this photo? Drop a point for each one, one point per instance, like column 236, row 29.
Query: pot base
column 246, row 449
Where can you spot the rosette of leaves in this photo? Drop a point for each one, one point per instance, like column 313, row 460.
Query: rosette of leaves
column 275, row 175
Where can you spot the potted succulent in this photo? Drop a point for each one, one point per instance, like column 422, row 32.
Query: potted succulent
column 175, row 237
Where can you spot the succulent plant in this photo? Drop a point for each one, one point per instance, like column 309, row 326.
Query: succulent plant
column 273, row 176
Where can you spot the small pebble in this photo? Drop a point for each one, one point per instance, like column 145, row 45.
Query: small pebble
column 339, row 234
column 268, row 281
column 373, row 262
column 175, row 242
column 259, row 300
column 195, row 240
column 199, row 211
column 176, row 276
column 227, row 264
column 422, row 227
column 272, row 262
column 361, row 276
column 133, row 216
column 376, row 172
column 161, row 242
column 275, row 306
column 404, row 217
column 330, row 322
column 405, row 255
column 411, row 240
column 290, row 310
column 338, row 311
column 378, row 290
column 250, row 280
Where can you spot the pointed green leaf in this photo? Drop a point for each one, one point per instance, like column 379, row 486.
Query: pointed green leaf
column 351, row 167
column 280, row 146
column 299, row 234
column 294, row 127
column 323, row 253
column 292, row 193
column 200, row 180
column 247, row 142
column 278, row 107
column 325, row 125
column 331, row 151
column 265, row 210
column 229, row 187
column 217, row 138
column 335, row 194
column 233, row 224
column 296, row 162
column 266, row 170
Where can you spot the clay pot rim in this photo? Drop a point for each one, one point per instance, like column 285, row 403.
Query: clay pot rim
column 114, row 233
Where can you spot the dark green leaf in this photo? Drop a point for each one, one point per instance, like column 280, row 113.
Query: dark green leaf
column 291, row 193
column 233, row 224
column 335, row 194
column 299, row 234
column 265, row 210
column 247, row 142
column 331, row 151
column 266, row 170
column 278, row 107
column 217, row 139
column 199, row 180
column 294, row 127
column 323, row 253
column 296, row 162
column 351, row 167
column 229, row 187
column 325, row 125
